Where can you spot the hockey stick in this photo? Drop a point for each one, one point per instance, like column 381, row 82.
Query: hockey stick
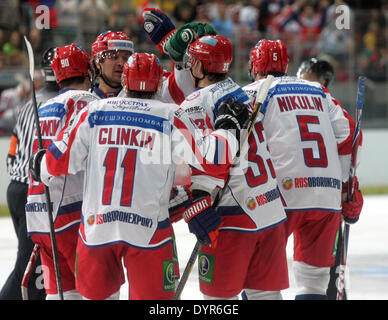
column 46, row 189
column 345, row 227
column 27, row 273
column 194, row 254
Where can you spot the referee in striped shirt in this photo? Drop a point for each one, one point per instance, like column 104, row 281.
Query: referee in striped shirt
column 17, row 165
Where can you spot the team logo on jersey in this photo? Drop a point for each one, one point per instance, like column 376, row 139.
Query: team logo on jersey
column 287, row 183
column 251, row 203
column 168, row 275
column 194, row 95
column 179, row 112
column 206, row 267
column 91, row 220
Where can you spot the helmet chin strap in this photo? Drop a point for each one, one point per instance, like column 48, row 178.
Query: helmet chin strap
column 196, row 78
column 107, row 82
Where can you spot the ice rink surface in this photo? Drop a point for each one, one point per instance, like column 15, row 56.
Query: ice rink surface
column 367, row 255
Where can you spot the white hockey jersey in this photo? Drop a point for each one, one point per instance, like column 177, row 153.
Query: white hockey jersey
column 251, row 202
column 65, row 192
column 128, row 149
column 176, row 86
column 307, row 134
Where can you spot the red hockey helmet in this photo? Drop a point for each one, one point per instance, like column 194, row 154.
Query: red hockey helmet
column 215, row 52
column 142, row 72
column 69, row 62
column 111, row 41
column 268, row 56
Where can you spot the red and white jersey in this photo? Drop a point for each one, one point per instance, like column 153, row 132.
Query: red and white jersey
column 309, row 138
column 175, row 86
column 65, row 192
column 128, row 149
column 251, row 201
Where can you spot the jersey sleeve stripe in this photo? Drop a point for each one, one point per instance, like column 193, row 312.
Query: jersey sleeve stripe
column 175, row 92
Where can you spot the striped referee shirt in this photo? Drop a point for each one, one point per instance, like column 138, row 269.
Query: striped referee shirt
column 23, row 135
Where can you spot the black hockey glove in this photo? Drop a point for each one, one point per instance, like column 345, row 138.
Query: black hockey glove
column 232, row 116
column 34, row 164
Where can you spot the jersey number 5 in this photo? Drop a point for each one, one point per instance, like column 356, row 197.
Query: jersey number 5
column 128, row 166
column 307, row 135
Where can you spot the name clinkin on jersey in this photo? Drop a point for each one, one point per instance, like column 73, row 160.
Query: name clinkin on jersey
column 126, row 136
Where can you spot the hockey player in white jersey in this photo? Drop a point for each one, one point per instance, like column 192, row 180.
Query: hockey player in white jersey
column 310, row 142
column 322, row 71
column 71, row 67
column 250, row 207
column 128, row 148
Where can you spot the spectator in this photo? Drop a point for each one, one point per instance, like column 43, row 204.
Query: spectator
column 250, row 13
column 202, row 14
column 18, row 58
column 311, row 22
column 212, row 9
column 2, row 37
column 132, row 29
column 68, row 21
column 35, row 38
column 9, row 15
column 13, row 44
column 93, row 15
column 310, row 19
column 3, row 60
column 184, row 12
column 223, row 24
column 334, row 42
column 373, row 56
column 113, row 22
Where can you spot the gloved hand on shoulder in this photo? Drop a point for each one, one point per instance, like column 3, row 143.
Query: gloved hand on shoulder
column 232, row 115
column 176, row 46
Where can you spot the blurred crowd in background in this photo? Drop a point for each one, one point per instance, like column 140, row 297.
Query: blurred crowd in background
column 309, row 28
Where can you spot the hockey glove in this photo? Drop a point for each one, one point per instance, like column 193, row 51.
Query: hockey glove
column 232, row 116
column 179, row 199
column 202, row 219
column 34, row 164
column 158, row 26
column 351, row 210
column 176, row 46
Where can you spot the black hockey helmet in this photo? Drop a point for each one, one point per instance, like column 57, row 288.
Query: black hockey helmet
column 45, row 64
column 321, row 68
